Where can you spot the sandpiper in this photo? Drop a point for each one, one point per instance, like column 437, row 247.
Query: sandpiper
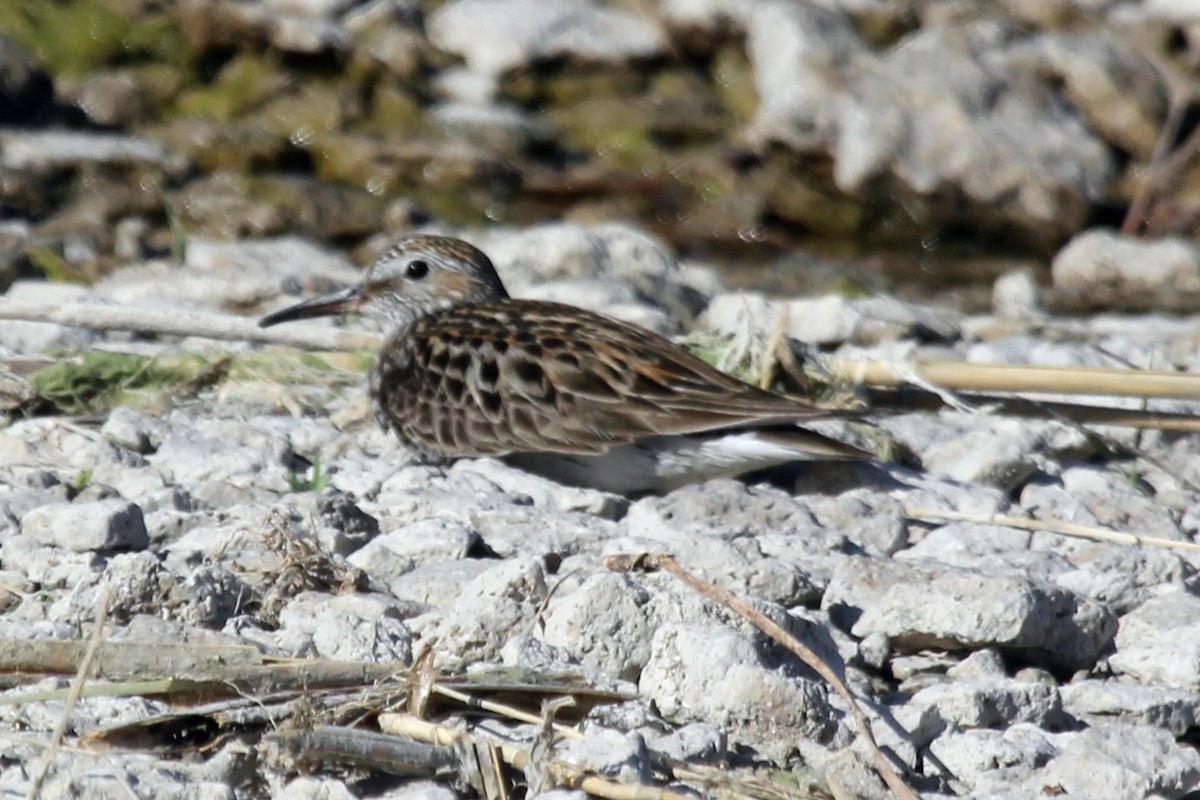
column 466, row 370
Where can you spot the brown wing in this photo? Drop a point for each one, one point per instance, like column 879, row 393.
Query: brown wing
column 519, row 376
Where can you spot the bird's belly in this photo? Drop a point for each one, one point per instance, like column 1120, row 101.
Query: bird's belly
column 662, row 463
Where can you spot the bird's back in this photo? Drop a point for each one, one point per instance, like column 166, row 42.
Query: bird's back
column 516, row 376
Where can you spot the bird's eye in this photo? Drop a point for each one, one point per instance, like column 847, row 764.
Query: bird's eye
column 415, row 270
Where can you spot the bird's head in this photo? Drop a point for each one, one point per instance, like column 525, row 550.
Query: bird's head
column 417, row 276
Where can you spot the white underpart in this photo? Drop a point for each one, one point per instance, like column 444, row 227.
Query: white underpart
column 661, row 463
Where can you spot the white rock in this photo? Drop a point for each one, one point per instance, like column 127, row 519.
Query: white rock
column 981, row 758
column 1015, row 295
column 992, row 703
column 491, row 609
column 495, row 36
column 1103, row 266
column 1160, row 641
column 392, row 554
column 944, row 106
column 100, row 525
column 621, row 756
column 710, row 672
column 438, row 584
column 605, row 624
column 1120, row 761
column 313, row 788
column 921, row 605
column 41, row 150
column 1096, row 702
column 351, row 627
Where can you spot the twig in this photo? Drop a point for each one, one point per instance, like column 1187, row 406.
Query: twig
column 226, row 327
column 1166, row 161
column 626, row 563
column 394, row 755
column 64, row 719
column 1049, row 526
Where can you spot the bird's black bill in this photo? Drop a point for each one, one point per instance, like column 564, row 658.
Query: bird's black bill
column 346, row 301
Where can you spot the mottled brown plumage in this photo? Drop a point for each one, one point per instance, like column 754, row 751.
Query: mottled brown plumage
column 466, row 370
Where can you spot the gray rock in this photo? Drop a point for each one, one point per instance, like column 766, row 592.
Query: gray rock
column 42, row 151
column 419, row 790
column 561, row 794
column 1015, row 295
column 351, row 627
column 562, row 250
column 492, row 608
column 876, row 524
column 188, row 457
column 102, row 525
column 1160, row 642
column 982, row 664
column 429, row 541
column 499, row 129
column 1100, row 702
column 31, row 338
column 1120, row 761
column 757, row 540
column 134, row 429
column 921, row 605
column 707, row 672
column 992, row 703
column 943, row 107
column 832, row 319
column 112, row 98
column 989, row 758
column 228, row 275
column 1102, row 267
column 606, row 624
column 621, row 756
column 542, row 492
column 696, row 742
column 314, row 788
column 1112, row 84
column 438, row 584
column 495, row 36
column 975, row 448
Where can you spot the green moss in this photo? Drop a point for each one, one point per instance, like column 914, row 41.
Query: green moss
column 56, row 268
column 95, row 380
column 75, row 37
column 733, row 81
column 244, row 83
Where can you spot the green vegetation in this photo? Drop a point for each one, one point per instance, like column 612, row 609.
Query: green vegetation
column 317, row 479
column 56, row 268
column 75, row 37
column 95, row 380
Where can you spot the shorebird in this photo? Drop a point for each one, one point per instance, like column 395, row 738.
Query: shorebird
column 465, row 370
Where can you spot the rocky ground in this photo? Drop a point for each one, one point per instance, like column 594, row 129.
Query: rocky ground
column 229, row 495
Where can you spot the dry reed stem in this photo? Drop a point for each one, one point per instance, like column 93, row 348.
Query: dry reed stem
column 1049, row 526
column 961, row 376
column 81, row 675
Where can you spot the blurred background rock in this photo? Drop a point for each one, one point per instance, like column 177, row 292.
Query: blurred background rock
column 922, row 148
